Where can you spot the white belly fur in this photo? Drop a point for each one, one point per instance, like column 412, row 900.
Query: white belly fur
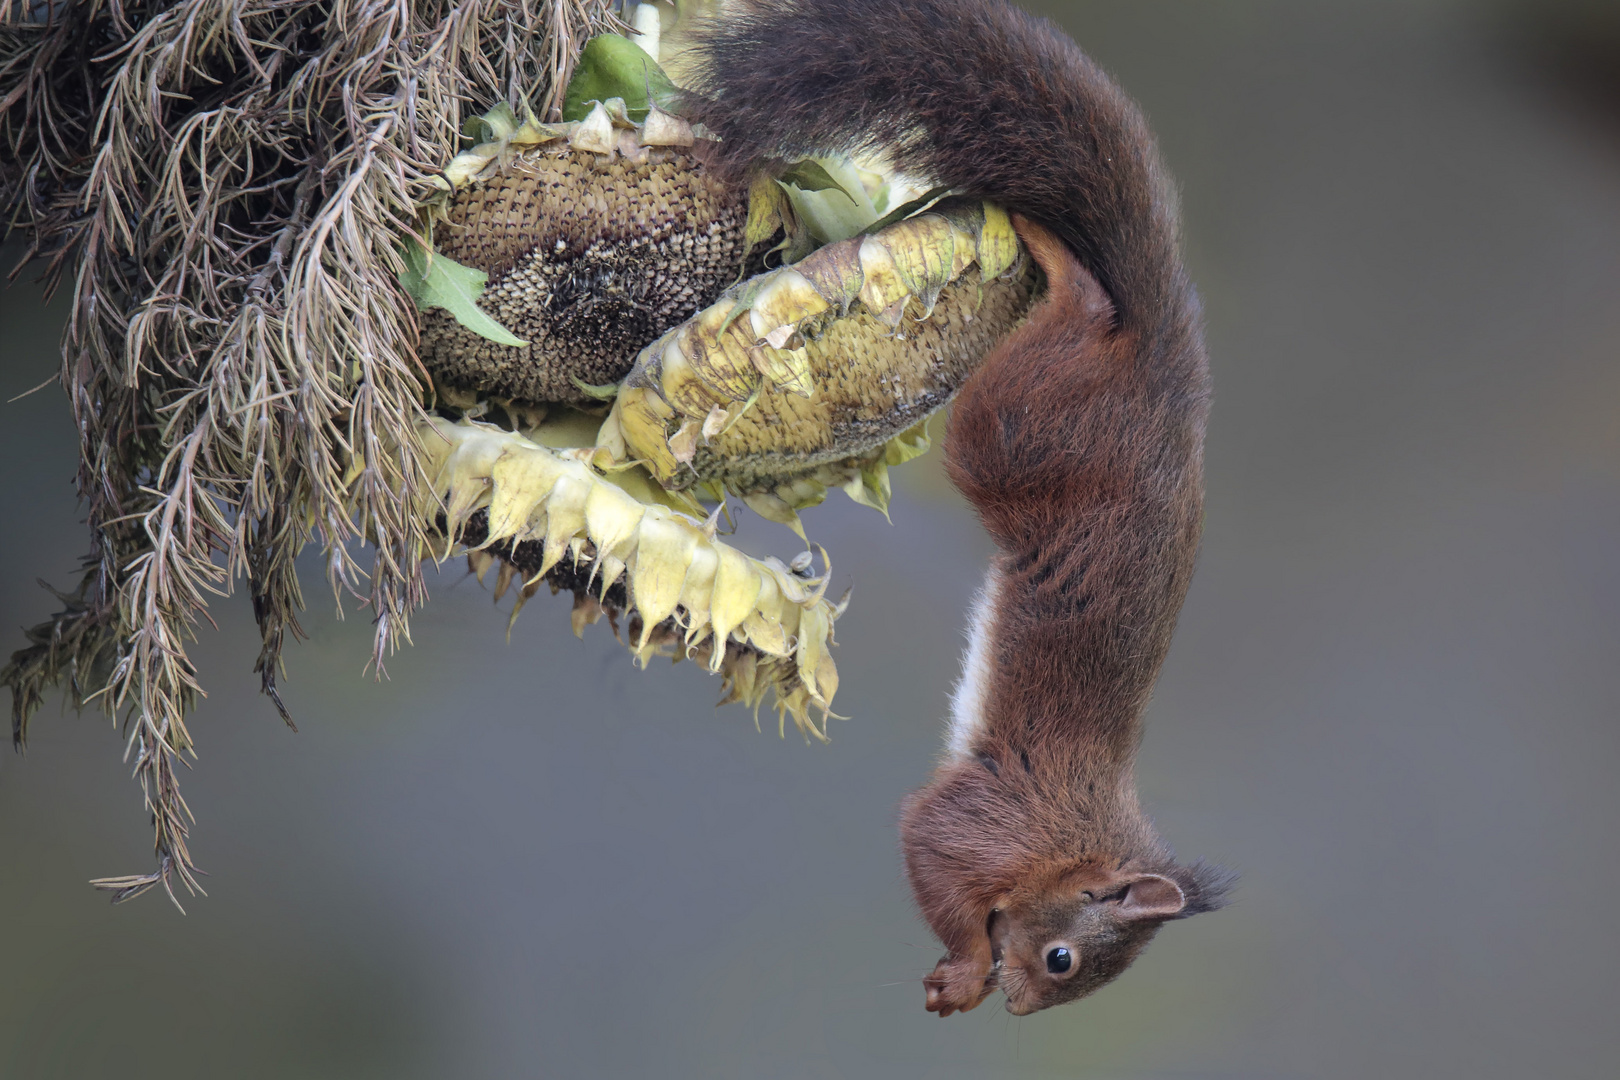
column 968, row 699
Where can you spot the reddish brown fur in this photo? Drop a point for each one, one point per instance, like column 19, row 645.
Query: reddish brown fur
column 1079, row 441
column 1087, row 476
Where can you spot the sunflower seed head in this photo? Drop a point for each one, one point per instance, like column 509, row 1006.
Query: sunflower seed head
column 820, row 365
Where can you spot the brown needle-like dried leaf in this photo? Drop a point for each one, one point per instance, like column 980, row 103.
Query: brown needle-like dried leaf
column 222, row 185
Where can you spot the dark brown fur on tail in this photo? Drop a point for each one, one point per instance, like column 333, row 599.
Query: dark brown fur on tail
column 1079, row 441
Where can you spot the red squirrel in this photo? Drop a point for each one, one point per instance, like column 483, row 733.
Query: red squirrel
column 1079, row 441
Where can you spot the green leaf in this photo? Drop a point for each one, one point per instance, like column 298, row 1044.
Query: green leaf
column 828, row 198
column 434, row 281
column 811, row 175
column 613, row 66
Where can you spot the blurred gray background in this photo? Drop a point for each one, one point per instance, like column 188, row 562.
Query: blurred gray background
column 1391, row 705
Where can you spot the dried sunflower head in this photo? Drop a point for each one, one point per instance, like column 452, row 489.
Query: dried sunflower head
column 594, row 237
column 801, row 378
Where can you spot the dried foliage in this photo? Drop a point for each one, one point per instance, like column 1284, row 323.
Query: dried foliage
column 222, row 184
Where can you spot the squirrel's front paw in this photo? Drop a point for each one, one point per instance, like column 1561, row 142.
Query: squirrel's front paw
column 958, row 983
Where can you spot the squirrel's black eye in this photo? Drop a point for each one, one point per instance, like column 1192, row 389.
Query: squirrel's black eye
column 1059, row 960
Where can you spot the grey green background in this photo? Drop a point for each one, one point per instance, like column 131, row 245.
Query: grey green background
column 1391, row 704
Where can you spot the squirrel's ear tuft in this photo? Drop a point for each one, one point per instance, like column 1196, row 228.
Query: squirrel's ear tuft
column 1207, row 887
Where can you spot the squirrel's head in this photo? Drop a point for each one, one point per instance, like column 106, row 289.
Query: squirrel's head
column 1062, row 943
column 1047, row 896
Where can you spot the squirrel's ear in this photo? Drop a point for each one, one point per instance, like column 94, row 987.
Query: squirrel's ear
column 1152, row 896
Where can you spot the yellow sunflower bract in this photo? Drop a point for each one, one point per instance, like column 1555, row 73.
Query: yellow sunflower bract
column 757, row 622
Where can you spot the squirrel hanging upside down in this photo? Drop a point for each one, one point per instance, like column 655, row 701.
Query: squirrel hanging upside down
column 1079, row 441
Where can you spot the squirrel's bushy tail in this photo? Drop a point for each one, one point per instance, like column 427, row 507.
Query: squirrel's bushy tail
column 970, row 94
